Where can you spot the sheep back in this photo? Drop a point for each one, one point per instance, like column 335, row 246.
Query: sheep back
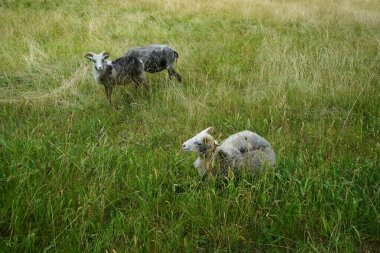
column 245, row 149
column 154, row 57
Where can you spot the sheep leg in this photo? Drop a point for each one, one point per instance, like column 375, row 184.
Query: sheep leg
column 108, row 90
column 172, row 72
column 143, row 81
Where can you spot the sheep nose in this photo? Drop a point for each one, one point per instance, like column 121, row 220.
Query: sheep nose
column 183, row 145
column 98, row 68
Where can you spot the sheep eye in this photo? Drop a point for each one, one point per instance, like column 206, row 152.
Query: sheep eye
column 199, row 144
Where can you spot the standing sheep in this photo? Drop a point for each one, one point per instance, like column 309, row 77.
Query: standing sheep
column 156, row 58
column 118, row 72
column 241, row 150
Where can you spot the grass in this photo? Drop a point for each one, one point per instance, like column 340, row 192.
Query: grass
column 78, row 175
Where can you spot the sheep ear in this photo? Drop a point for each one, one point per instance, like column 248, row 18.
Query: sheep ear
column 105, row 54
column 209, row 130
column 89, row 55
column 207, row 140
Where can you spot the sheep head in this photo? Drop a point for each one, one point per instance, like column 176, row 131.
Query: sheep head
column 200, row 143
column 98, row 60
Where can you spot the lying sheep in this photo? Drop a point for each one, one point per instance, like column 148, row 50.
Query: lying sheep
column 241, row 150
column 156, row 58
column 118, row 72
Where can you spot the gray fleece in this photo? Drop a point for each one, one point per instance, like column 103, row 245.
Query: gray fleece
column 156, row 58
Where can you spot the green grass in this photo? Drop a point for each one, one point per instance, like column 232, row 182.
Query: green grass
column 78, row 175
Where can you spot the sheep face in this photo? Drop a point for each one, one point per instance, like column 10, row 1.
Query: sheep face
column 200, row 143
column 99, row 63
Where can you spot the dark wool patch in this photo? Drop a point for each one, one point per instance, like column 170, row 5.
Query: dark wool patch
column 243, row 150
column 128, row 65
column 156, row 62
column 155, row 58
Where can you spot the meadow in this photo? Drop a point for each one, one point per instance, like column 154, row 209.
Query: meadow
column 79, row 175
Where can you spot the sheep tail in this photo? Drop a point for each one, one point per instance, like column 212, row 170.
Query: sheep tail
column 176, row 55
